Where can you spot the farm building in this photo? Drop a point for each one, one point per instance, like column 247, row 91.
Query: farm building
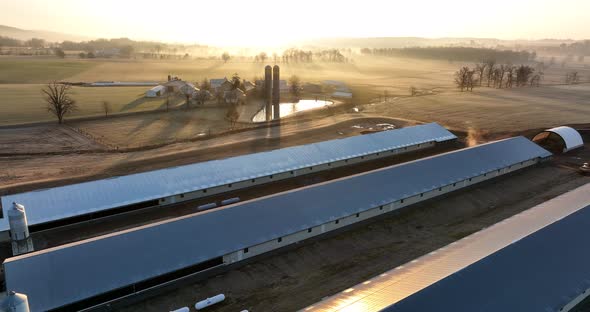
column 343, row 95
column 176, row 184
column 533, row 261
column 216, row 84
column 174, row 86
column 118, row 260
column 560, row 139
column 156, row 91
column 123, row 84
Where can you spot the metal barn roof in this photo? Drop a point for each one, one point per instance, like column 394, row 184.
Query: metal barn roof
column 100, row 264
column 570, row 136
column 77, row 199
column 529, row 262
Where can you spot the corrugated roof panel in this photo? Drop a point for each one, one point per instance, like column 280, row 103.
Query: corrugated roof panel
column 570, row 136
column 97, row 265
column 78, row 199
column 541, row 272
column 495, row 269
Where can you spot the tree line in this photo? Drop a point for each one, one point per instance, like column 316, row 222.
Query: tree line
column 491, row 74
column 454, row 54
column 293, row 55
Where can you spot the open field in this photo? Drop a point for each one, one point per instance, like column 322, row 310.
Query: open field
column 24, row 103
column 23, row 70
column 369, row 77
column 495, row 110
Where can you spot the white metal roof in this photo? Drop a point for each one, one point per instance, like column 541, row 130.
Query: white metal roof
column 406, row 280
column 73, row 272
column 158, row 88
column 77, row 199
column 570, row 136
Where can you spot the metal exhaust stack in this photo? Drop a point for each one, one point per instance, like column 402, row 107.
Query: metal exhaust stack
column 15, row 302
column 19, row 230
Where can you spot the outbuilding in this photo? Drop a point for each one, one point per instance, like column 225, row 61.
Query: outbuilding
column 560, row 139
column 156, row 91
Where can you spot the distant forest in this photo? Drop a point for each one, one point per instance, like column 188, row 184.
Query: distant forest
column 125, row 45
column 455, row 54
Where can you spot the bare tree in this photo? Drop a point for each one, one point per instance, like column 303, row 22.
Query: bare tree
column 236, row 81
column 106, row 107
column 510, row 76
column 225, row 57
column 501, row 71
column 232, row 115
column 187, row 91
column 295, row 86
column 205, row 84
column 523, row 74
column 536, row 80
column 60, row 53
column 202, row 96
column 490, row 67
column 461, row 78
column 572, row 78
column 470, row 80
column 59, row 103
column 480, row 70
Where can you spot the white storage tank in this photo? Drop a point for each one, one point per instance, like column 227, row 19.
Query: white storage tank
column 15, row 302
column 209, row 301
column 19, row 230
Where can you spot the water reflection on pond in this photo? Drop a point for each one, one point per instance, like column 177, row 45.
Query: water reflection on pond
column 291, row 108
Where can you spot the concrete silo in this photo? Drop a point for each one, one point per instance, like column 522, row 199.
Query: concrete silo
column 268, row 91
column 276, row 91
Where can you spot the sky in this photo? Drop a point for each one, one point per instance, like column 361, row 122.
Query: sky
column 248, row 23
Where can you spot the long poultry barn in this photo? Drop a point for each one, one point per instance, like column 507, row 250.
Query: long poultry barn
column 183, row 183
column 136, row 260
column 533, row 261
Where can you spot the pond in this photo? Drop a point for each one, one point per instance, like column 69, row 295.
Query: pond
column 292, row 108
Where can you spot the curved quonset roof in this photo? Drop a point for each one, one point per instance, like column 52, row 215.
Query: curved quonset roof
column 570, row 136
column 533, row 261
column 77, row 199
column 101, row 264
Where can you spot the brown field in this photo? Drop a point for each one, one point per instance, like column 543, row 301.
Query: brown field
column 495, row 110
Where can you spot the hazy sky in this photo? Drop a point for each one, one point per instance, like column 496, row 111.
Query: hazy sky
column 233, row 23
